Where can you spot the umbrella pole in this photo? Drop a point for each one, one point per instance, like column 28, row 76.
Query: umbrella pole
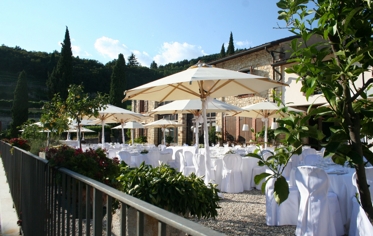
column 207, row 146
column 164, row 136
column 102, row 135
column 123, row 138
column 265, row 132
column 132, row 137
column 197, row 133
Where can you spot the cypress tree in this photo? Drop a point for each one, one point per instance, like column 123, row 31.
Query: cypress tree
column 222, row 51
column 230, row 49
column 153, row 65
column 132, row 60
column 20, row 104
column 62, row 76
column 118, row 80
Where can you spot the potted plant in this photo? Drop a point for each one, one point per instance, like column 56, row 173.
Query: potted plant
column 169, row 139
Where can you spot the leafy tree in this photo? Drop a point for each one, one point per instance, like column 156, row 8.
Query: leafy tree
column 118, row 82
column 57, row 113
column 132, row 60
column 153, row 65
column 333, row 66
column 20, row 104
column 222, row 51
column 62, row 76
column 230, row 49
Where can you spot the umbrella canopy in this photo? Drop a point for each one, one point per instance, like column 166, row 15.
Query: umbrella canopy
column 130, row 125
column 194, row 106
column 163, row 124
column 114, row 114
column 201, row 81
column 265, row 110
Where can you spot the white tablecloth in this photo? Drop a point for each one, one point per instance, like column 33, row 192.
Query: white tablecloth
column 343, row 187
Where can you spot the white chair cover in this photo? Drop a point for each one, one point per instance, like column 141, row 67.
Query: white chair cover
column 287, row 212
column 231, row 177
column 308, row 151
column 176, row 163
column 188, row 163
column 319, row 212
column 359, row 222
column 112, row 153
column 311, row 159
column 200, row 164
column 126, row 157
column 296, row 160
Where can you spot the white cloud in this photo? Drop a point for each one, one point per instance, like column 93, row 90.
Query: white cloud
column 243, row 44
column 76, row 50
column 174, row 52
column 111, row 47
column 142, row 57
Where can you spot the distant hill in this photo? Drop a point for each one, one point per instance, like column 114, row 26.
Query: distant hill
column 94, row 75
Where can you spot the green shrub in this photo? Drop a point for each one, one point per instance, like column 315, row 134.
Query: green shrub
column 171, row 190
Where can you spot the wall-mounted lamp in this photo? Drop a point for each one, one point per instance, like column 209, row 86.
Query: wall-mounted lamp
column 245, row 127
column 274, row 125
column 217, row 129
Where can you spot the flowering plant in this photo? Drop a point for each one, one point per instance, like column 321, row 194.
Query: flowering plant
column 91, row 163
column 19, row 142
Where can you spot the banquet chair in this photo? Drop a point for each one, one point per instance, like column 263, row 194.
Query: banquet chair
column 176, row 163
column 126, row 157
column 199, row 164
column 296, row 160
column 231, row 177
column 112, row 153
column 308, row 151
column 311, row 159
column 187, row 166
column 319, row 211
column 359, row 222
column 287, row 212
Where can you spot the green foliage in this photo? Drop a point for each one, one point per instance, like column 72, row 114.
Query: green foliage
column 118, row 82
column 230, row 49
column 20, row 104
column 169, row 189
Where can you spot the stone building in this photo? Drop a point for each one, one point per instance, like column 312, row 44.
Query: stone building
column 266, row 60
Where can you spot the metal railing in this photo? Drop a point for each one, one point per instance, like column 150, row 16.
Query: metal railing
column 61, row 202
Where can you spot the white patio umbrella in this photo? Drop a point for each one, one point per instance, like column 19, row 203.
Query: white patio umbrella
column 265, row 110
column 129, row 125
column 114, row 114
column 74, row 129
column 194, row 106
column 163, row 124
column 201, row 82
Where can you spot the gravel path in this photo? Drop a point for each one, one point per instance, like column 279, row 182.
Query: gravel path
column 244, row 214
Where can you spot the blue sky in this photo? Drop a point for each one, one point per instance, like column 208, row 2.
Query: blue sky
column 164, row 31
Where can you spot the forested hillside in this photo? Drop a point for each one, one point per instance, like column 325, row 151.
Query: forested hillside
column 94, row 75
